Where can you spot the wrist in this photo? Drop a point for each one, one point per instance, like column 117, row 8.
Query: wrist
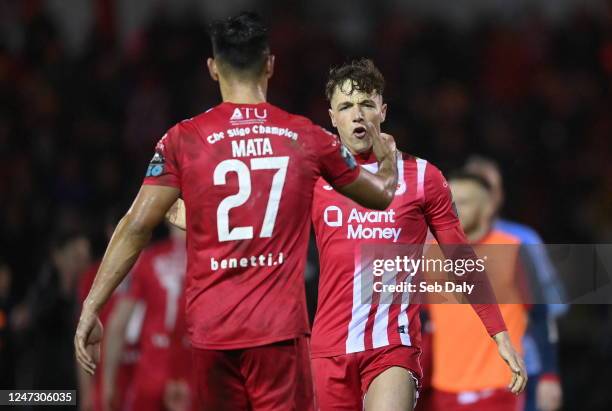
column 90, row 306
column 502, row 337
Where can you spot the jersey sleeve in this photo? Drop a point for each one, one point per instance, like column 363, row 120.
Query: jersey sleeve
column 439, row 208
column 337, row 165
column 164, row 168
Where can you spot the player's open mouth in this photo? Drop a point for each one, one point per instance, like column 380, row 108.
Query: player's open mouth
column 359, row 132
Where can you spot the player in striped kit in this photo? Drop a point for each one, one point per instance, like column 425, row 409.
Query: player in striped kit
column 366, row 353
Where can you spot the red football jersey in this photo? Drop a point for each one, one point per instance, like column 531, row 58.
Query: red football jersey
column 158, row 283
column 347, row 321
column 247, row 173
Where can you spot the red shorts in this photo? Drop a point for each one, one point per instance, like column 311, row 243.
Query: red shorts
column 271, row 377
column 485, row 400
column 341, row 382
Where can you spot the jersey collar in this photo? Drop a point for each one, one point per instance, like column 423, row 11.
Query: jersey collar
column 366, row 157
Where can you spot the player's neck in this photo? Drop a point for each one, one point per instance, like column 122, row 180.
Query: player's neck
column 243, row 93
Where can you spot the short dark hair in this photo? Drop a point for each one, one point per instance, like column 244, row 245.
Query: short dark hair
column 241, row 42
column 364, row 76
column 469, row 176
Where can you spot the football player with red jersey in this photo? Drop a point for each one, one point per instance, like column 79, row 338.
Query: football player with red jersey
column 92, row 389
column 156, row 293
column 246, row 171
column 365, row 353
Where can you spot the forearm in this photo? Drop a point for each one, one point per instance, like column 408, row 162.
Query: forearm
column 127, row 242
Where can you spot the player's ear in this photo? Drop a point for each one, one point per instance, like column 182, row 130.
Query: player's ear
column 270, row 66
column 332, row 118
column 212, row 68
column 383, row 113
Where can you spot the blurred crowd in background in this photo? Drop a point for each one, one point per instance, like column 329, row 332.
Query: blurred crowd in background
column 77, row 129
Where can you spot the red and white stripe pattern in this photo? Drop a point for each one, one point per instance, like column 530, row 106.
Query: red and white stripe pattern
column 363, row 331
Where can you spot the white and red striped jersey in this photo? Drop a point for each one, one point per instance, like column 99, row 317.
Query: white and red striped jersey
column 348, row 321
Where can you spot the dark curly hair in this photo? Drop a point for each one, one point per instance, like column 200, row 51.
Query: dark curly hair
column 364, row 76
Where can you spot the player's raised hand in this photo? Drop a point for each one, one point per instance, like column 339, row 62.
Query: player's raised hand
column 383, row 144
column 87, row 341
column 514, row 361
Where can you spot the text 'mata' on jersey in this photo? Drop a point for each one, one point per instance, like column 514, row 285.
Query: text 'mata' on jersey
column 247, row 173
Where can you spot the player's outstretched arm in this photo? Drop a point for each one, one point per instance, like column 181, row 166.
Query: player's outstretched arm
column 130, row 237
column 376, row 190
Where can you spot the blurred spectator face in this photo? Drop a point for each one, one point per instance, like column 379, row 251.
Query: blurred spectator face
column 474, row 204
column 73, row 257
column 489, row 172
column 350, row 112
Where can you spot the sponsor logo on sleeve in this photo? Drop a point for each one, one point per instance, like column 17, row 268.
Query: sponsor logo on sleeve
column 156, row 166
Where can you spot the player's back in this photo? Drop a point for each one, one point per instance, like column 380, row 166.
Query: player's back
column 247, row 173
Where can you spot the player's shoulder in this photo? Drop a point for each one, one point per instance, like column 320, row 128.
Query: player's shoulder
column 526, row 233
column 410, row 160
column 295, row 119
column 201, row 123
column 413, row 159
column 184, row 129
column 421, row 165
column 306, row 125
